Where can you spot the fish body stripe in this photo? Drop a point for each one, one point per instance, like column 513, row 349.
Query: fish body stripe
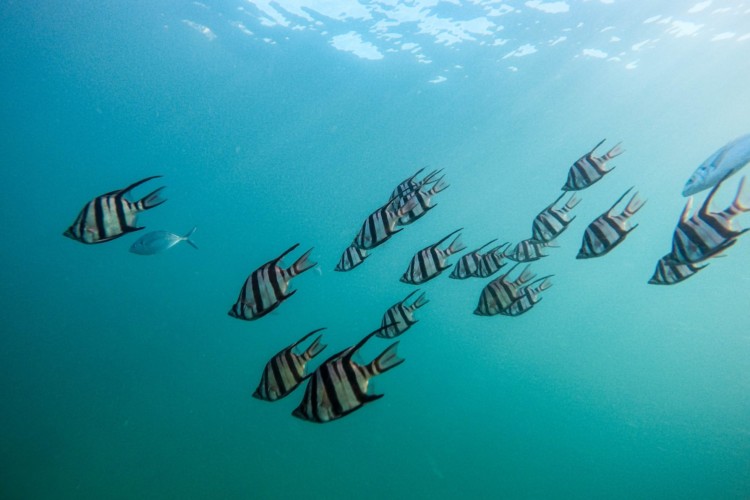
column 282, row 374
column 104, row 218
column 497, row 296
column 549, row 224
column 336, row 388
column 670, row 272
column 377, row 229
column 585, row 172
column 351, row 258
column 425, row 265
column 108, row 216
column 527, row 251
column 263, row 291
column 522, row 304
column 467, row 266
column 400, row 318
column 423, row 206
column 489, row 264
column 702, row 236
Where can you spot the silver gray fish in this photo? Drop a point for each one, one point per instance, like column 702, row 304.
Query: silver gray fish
column 724, row 162
column 159, row 241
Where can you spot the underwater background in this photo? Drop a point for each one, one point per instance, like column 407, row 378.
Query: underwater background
column 122, row 376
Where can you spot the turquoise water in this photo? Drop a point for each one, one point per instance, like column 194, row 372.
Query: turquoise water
column 123, row 377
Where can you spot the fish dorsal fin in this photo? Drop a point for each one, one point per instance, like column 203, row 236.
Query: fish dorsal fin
column 609, row 212
column 557, row 200
column 336, row 356
column 595, row 147
column 446, row 237
column 408, row 296
column 126, row 190
column 353, row 350
column 686, row 210
column 305, row 338
column 287, row 252
column 485, row 245
column 707, row 202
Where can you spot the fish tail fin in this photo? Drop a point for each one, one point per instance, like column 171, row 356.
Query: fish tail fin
column 525, row 276
column 411, row 204
column 421, row 300
column 151, row 200
column 188, row 240
column 440, row 185
column 544, row 284
column 634, row 204
column 571, row 203
column 429, row 177
column 315, row 348
column 456, row 245
column 302, row 264
column 615, row 151
column 388, row 359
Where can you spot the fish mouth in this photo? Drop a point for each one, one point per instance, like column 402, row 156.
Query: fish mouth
column 68, row 233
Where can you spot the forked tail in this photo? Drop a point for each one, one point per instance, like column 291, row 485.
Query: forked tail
column 388, row 359
column 302, row 264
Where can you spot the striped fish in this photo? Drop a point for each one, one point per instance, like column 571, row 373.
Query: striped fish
column 381, row 224
column 670, row 272
column 411, row 185
column 529, row 297
column 340, row 385
column 500, row 293
column 589, row 168
column 400, row 317
column 267, row 287
column 424, row 202
column 286, row 370
column 528, row 250
column 351, row 258
column 551, row 222
column 431, row 261
column 468, row 265
column 706, row 233
column 609, row 229
column 111, row 215
column 492, row 261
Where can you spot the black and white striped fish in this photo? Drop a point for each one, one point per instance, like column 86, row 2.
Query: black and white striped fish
column 670, row 272
column 707, row 233
column 286, row 370
column 411, row 185
column 551, row 222
column 431, row 261
column 492, row 261
column 530, row 295
column 468, row 265
column 351, row 258
column 529, row 250
column 267, row 287
column 424, row 202
column 400, row 317
column 340, row 385
column 588, row 169
column 381, row 224
column 111, row 215
column 609, row 229
column 500, row 293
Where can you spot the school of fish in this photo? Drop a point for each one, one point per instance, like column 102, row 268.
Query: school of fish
column 340, row 385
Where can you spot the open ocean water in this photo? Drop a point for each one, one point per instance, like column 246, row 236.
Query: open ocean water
column 289, row 122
